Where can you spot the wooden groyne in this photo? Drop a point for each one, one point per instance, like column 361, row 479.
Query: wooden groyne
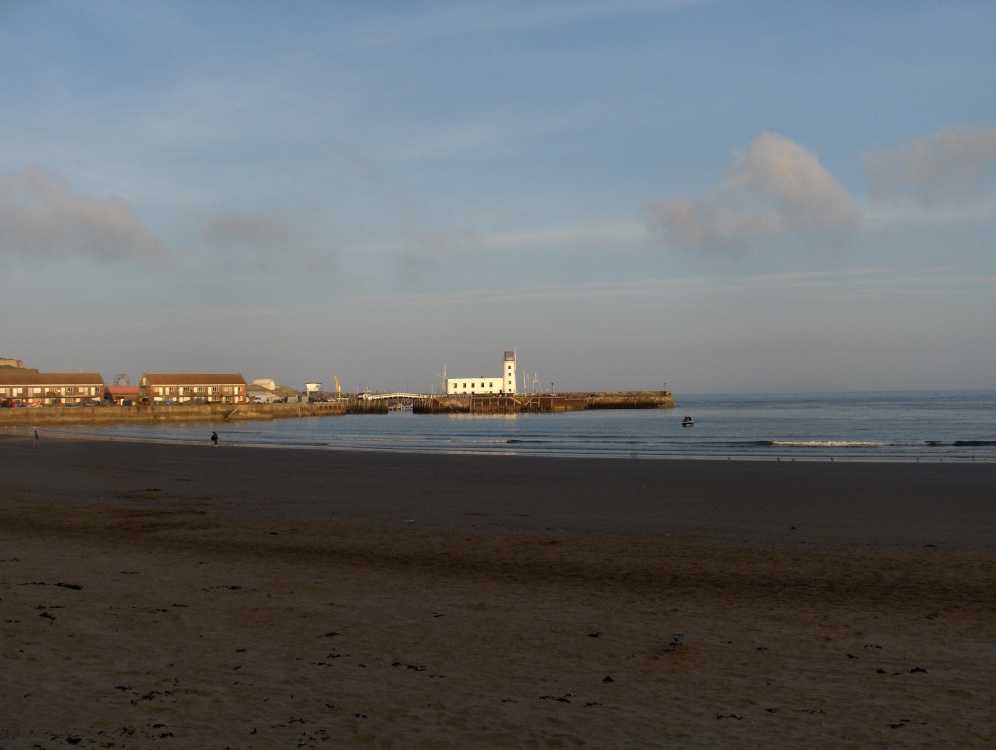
column 544, row 403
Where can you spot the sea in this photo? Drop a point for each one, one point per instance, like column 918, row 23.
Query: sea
column 936, row 426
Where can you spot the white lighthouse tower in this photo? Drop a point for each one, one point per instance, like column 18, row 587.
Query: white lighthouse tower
column 509, row 371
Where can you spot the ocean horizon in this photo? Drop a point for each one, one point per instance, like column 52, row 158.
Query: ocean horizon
column 958, row 426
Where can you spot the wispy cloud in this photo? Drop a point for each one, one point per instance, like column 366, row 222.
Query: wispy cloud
column 624, row 231
column 426, row 252
column 882, row 213
column 944, row 167
column 774, row 189
column 609, row 233
column 461, row 18
column 41, row 215
column 840, row 286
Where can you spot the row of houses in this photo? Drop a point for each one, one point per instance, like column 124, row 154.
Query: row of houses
column 27, row 387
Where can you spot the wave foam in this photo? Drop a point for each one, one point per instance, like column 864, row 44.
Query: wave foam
column 828, row 443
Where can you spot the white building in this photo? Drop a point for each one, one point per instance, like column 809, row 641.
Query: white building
column 504, row 383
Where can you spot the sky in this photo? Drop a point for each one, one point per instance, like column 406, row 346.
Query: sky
column 704, row 195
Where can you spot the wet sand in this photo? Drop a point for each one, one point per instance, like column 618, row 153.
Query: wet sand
column 192, row 596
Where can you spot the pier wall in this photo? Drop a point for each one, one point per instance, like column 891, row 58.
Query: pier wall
column 544, row 403
column 629, row 399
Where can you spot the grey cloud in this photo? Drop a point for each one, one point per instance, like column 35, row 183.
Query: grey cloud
column 427, row 251
column 40, row 214
column 416, row 268
column 774, row 189
column 247, row 234
column 264, row 242
column 943, row 167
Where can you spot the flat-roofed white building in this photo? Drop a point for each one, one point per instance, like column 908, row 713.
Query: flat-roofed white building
column 498, row 384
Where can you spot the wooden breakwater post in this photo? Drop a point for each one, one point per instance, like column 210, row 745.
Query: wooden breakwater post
column 495, row 404
column 468, row 404
column 551, row 403
column 442, row 405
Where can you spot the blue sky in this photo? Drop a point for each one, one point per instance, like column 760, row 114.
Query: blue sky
column 719, row 196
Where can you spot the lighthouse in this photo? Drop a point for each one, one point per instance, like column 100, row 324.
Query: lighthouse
column 478, row 385
column 509, row 371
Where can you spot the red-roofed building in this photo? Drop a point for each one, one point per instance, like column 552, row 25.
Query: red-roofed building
column 193, row 388
column 121, row 394
column 20, row 387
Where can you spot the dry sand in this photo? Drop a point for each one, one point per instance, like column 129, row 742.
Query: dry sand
column 200, row 597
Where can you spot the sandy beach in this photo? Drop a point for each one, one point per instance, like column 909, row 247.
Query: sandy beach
column 198, row 597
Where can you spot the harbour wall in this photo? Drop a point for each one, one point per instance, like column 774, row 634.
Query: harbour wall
column 155, row 413
column 490, row 404
column 362, row 406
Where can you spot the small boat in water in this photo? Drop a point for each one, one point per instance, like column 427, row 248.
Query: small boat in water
column 687, row 422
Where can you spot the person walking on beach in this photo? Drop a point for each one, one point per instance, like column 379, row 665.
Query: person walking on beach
column 214, row 438
column 36, row 437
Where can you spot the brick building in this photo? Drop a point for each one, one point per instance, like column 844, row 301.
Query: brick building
column 193, row 388
column 27, row 387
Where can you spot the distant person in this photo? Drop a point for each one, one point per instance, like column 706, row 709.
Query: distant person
column 214, row 438
column 36, row 437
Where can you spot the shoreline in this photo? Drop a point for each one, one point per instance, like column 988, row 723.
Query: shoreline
column 193, row 596
column 15, row 431
column 891, row 504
